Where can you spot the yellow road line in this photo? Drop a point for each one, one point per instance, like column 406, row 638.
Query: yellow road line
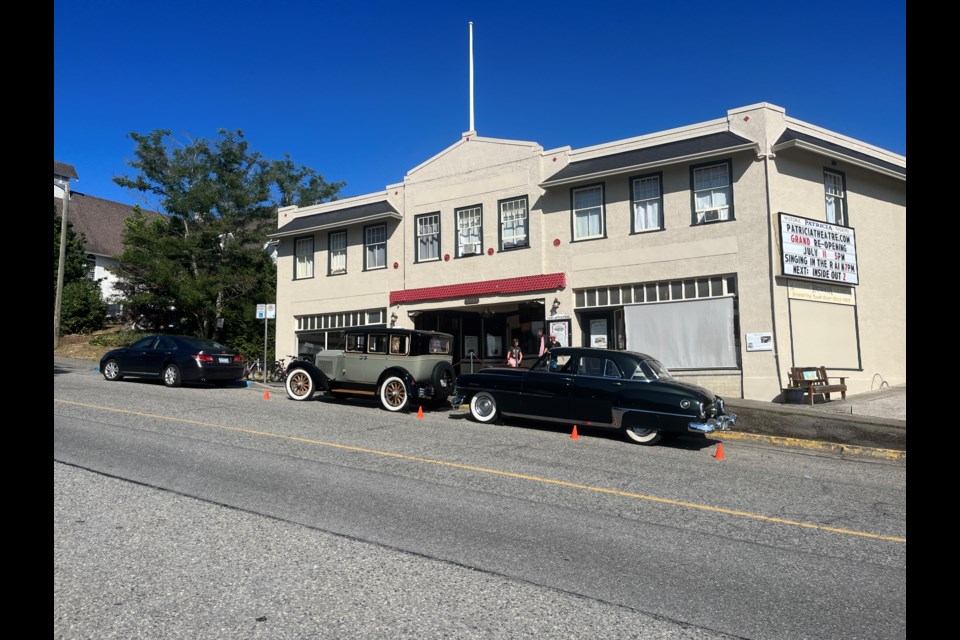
column 874, row 452
column 508, row 474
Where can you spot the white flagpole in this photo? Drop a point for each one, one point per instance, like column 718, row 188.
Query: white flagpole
column 471, row 77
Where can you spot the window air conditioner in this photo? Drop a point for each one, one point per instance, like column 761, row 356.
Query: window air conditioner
column 470, row 248
column 713, row 215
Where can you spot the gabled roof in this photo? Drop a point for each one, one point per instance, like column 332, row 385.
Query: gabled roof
column 371, row 212
column 647, row 157
column 100, row 221
column 65, row 170
column 793, row 138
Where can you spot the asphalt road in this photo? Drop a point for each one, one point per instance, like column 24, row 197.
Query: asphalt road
column 215, row 513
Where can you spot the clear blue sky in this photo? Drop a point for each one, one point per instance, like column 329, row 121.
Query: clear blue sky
column 364, row 91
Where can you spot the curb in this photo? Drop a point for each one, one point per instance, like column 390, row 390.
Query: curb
column 815, row 445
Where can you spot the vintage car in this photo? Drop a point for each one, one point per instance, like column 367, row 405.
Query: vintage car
column 623, row 390
column 398, row 366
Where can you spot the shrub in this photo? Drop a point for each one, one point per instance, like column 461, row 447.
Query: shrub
column 81, row 309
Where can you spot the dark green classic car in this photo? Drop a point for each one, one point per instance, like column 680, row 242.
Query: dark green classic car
column 623, row 390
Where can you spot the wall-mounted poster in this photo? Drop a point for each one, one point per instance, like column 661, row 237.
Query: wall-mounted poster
column 494, row 345
column 760, row 341
column 815, row 250
column 471, row 343
column 561, row 331
column 598, row 333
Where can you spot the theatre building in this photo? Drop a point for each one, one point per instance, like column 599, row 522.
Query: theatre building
column 731, row 250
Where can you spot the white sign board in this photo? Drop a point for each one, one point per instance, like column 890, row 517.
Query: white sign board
column 760, row 341
column 261, row 311
column 271, row 311
column 598, row 334
column 815, row 250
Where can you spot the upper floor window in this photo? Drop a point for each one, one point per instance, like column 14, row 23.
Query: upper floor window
column 469, row 231
column 375, row 247
column 836, row 198
column 712, row 193
column 588, row 212
column 647, row 203
column 513, row 223
column 91, row 266
column 303, row 258
column 338, row 251
column 428, row 237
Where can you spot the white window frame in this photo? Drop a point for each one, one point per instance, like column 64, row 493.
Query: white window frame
column 641, row 205
column 371, row 246
column 338, row 254
column 712, row 192
column 469, row 231
column 428, row 235
column 303, row 258
column 579, row 211
column 835, row 197
column 514, row 223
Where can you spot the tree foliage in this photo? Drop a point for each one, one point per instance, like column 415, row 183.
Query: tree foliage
column 204, row 259
column 82, row 309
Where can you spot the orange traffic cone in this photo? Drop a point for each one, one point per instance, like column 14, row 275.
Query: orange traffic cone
column 420, row 412
column 574, row 435
column 266, row 395
column 719, row 454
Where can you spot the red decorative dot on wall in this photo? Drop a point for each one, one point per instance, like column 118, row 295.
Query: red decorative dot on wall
column 556, row 242
column 746, row 118
column 490, row 251
column 396, row 265
column 446, row 257
column 554, row 158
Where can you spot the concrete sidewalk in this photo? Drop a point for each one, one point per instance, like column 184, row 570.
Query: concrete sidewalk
column 876, row 420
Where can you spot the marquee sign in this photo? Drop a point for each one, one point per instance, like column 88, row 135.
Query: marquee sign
column 816, row 250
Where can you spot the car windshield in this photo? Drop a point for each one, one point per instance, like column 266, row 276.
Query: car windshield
column 652, row 370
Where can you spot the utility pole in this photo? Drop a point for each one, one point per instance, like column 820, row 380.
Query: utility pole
column 60, row 265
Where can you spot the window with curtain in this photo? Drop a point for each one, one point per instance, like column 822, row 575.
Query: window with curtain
column 338, row 252
column 469, row 231
column 375, row 247
column 835, row 196
column 303, row 258
column 712, row 193
column 513, row 223
column 647, row 203
column 588, row 213
column 428, row 237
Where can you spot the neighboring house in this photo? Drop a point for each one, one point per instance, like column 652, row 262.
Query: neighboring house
column 732, row 250
column 102, row 224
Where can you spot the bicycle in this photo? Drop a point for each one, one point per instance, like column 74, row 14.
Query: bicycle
column 252, row 369
column 278, row 372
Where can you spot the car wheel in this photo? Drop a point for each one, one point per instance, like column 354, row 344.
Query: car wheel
column 394, row 395
column 171, row 375
column 300, row 385
column 636, row 432
column 483, row 407
column 443, row 379
column 111, row 370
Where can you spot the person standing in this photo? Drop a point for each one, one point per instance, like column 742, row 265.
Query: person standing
column 552, row 343
column 514, row 354
column 542, row 345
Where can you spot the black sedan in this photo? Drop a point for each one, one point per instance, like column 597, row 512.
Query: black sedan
column 623, row 390
column 175, row 360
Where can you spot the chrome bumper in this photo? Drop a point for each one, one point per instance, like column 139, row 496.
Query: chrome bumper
column 720, row 423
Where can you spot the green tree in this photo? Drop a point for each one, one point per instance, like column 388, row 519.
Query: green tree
column 205, row 257
column 82, row 309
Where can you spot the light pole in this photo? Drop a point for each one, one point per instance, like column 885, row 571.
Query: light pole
column 63, row 254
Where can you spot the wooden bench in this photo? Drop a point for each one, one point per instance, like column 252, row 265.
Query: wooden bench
column 814, row 380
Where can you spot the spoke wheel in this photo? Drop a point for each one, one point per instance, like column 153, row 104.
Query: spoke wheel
column 300, row 385
column 394, row 395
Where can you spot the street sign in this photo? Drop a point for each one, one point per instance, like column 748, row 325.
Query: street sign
column 261, row 311
column 271, row 311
